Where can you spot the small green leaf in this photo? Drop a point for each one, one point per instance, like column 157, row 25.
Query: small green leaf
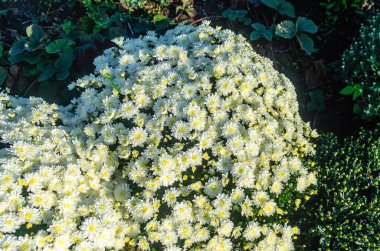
column 356, row 94
column 159, row 17
column 47, row 73
column 268, row 35
column 64, row 61
column 255, row 35
column 59, row 45
column 286, row 29
column 17, row 47
column 30, row 70
column 115, row 87
column 17, row 58
column 348, row 90
column 258, row 27
column 274, row 4
column 34, row 32
column 306, row 25
column 31, row 59
column 234, row 15
column 306, row 43
column 3, row 75
column 287, row 9
column 245, row 20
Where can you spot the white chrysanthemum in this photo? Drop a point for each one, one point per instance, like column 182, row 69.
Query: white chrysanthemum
column 252, row 231
column 171, row 143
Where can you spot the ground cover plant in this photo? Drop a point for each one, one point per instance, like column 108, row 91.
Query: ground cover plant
column 300, row 29
column 345, row 215
column 208, row 158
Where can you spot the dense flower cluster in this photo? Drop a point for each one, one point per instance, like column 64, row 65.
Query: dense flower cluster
column 182, row 141
column 361, row 68
column 345, row 215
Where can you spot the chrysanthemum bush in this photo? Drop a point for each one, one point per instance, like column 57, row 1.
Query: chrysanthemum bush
column 345, row 215
column 361, row 69
column 188, row 141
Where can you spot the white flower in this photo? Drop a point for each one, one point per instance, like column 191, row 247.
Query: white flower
column 252, row 231
column 9, row 223
column 182, row 212
column 138, row 136
column 213, row 187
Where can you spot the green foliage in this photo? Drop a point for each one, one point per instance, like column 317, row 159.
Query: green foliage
column 237, row 15
column 360, row 68
column 140, row 15
column 338, row 9
column 345, row 215
column 354, row 90
column 260, row 31
column 41, row 58
column 49, row 57
column 286, row 29
column 281, row 6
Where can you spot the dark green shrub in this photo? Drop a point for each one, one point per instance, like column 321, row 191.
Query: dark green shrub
column 339, row 9
column 361, row 69
column 345, row 215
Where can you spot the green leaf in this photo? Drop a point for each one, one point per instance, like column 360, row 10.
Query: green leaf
column 17, row 47
column 234, row 15
column 306, row 43
column 62, row 75
column 47, row 73
column 274, row 4
column 159, row 17
column 115, row 87
column 34, row 32
column 141, row 26
column 30, row 70
column 17, row 58
column 59, row 45
column 258, row 27
column 306, row 25
column 348, row 90
column 31, row 59
column 64, row 61
column 268, row 35
column 356, row 94
column 1, row 50
column 3, row 75
column 245, row 20
column 255, row 35
column 286, row 29
column 287, row 9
